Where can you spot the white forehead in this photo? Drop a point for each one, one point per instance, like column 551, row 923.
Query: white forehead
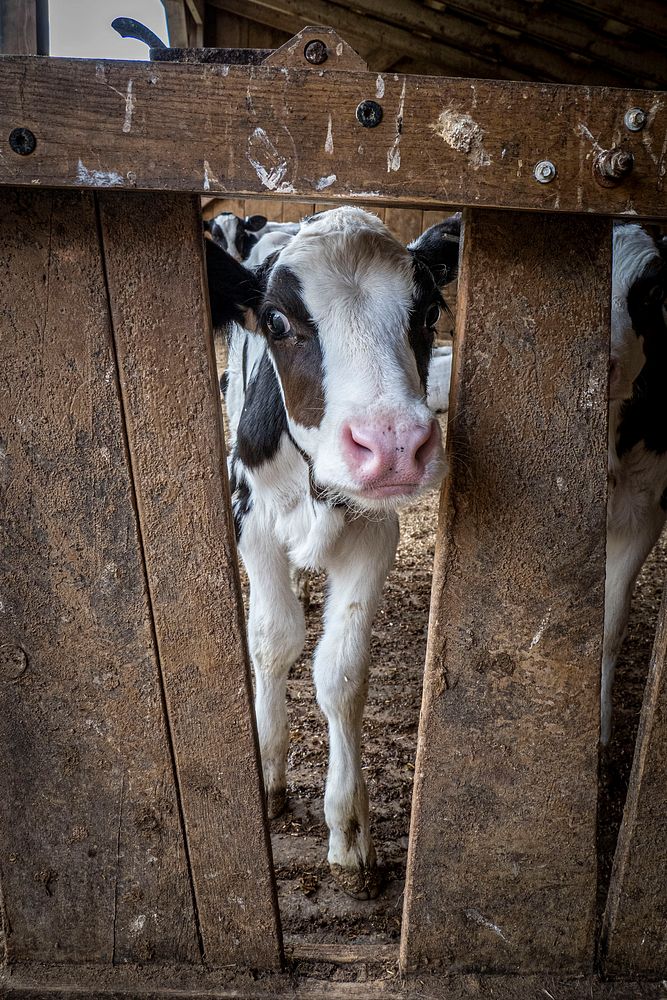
column 634, row 250
column 352, row 272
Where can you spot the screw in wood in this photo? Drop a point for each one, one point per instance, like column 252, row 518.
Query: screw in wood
column 316, row 52
column 22, row 141
column 544, row 172
column 635, row 119
column 369, row 114
column 611, row 166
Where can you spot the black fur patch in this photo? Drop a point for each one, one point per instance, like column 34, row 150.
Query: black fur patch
column 242, row 505
column 224, row 382
column 663, row 499
column 438, row 248
column 263, row 420
column 420, row 335
column 644, row 416
column 232, row 288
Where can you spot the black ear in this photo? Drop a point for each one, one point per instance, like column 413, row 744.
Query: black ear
column 235, row 291
column 438, row 248
column 253, row 223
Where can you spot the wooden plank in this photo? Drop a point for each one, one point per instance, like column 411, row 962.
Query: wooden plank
column 23, row 27
column 502, row 862
column 195, row 128
column 333, row 982
column 91, row 847
column 636, row 916
column 295, row 211
column 272, row 208
column 177, row 22
column 158, row 295
column 405, row 223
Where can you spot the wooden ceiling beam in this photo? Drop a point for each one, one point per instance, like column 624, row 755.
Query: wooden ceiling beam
column 618, row 66
column 568, row 33
column 643, row 15
column 355, row 29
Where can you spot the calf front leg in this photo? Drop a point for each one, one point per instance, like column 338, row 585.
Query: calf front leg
column 276, row 632
column 356, row 576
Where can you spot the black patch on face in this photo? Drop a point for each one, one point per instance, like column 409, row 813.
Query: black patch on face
column 244, row 241
column 644, row 416
column 420, row 335
column 224, row 382
column 663, row 499
column 263, row 419
column 298, row 355
column 438, row 248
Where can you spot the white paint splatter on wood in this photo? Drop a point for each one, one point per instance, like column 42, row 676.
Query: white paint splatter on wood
column 379, row 86
column 540, row 629
column 329, row 143
column 97, row 178
column 209, row 176
column 394, row 153
column 462, row 133
column 129, row 107
column 325, row 182
column 480, row 919
column 270, row 166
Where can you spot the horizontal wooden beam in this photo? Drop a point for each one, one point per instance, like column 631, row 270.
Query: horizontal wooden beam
column 429, row 29
column 277, row 132
column 368, row 30
column 307, row 981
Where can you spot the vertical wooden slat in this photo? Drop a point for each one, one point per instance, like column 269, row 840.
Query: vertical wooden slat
column 153, row 252
column 405, row 223
column 24, row 27
column 502, row 861
column 635, row 925
column 92, row 858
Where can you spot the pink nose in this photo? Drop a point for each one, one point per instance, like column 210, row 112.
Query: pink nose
column 379, row 454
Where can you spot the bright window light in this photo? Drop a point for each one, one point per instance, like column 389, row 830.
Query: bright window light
column 82, row 28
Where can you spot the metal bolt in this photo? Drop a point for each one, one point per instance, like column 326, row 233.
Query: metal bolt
column 635, row 119
column 369, row 114
column 544, row 172
column 316, row 52
column 22, row 141
column 612, row 166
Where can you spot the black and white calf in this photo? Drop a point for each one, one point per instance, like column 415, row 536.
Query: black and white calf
column 637, row 432
column 240, row 236
column 328, row 364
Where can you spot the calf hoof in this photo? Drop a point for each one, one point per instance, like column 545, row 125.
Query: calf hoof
column 276, row 801
column 360, row 883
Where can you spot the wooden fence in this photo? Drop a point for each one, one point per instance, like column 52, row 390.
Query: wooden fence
column 134, row 851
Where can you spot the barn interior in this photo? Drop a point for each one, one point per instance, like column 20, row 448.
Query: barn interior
column 598, row 43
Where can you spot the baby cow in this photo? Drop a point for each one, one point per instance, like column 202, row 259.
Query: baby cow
column 328, row 362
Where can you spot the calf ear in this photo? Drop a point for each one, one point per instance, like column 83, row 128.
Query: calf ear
column 253, row 223
column 438, row 248
column 235, row 291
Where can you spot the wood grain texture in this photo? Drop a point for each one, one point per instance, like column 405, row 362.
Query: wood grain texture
column 154, row 261
column 263, row 130
column 502, row 863
column 635, row 927
column 331, row 981
column 92, row 858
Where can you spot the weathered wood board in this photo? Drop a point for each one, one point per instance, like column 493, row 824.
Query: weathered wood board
column 153, row 255
column 635, row 927
column 292, row 132
column 92, row 858
column 502, row 863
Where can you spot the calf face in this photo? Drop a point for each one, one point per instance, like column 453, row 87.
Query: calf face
column 637, row 309
column 348, row 315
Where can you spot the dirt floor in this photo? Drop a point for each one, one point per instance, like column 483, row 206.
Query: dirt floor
column 312, row 907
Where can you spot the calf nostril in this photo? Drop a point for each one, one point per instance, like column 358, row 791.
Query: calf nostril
column 422, row 453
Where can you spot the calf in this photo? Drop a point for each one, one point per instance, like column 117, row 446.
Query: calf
column 239, row 236
column 637, row 505
column 328, row 363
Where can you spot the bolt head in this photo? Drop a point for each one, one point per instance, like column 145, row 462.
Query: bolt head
column 635, row 119
column 544, row 172
column 316, row 52
column 369, row 114
column 22, row 141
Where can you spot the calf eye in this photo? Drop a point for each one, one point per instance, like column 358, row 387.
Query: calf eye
column 432, row 315
column 277, row 324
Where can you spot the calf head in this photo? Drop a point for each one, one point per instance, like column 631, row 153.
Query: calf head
column 639, row 294
column 235, row 235
column 348, row 315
